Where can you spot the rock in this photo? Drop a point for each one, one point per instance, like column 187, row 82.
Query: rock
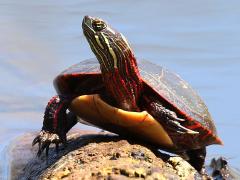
column 220, row 169
column 20, row 152
column 106, row 156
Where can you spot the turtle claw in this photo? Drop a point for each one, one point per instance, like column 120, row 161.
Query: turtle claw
column 45, row 139
column 42, row 147
column 181, row 129
column 178, row 119
column 36, row 140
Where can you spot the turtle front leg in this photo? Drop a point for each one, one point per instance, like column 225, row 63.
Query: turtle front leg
column 169, row 117
column 56, row 124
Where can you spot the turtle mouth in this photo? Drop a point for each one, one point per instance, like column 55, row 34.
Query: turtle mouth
column 87, row 23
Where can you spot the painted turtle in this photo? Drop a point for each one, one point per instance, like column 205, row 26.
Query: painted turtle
column 115, row 93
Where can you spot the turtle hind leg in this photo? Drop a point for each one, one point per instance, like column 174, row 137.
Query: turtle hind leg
column 197, row 158
column 168, row 117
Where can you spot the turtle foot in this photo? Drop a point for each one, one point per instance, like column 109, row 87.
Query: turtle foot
column 45, row 139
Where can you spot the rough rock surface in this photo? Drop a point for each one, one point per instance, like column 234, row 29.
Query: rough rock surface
column 220, row 168
column 105, row 156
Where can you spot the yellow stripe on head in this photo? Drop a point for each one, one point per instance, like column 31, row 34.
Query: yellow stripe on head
column 100, row 56
column 110, row 50
column 98, row 41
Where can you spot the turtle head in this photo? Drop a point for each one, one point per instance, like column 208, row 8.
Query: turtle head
column 118, row 65
column 109, row 46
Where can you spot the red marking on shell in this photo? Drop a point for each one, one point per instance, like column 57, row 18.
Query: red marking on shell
column 219, row 141
column 75, row 74
column 194, row 126
column 78, row 74
column 208, row 133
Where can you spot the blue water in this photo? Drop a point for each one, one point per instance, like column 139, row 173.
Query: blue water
column 200, row 40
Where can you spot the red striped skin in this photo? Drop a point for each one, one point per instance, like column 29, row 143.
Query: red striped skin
column 56, row 113
column 51, row 105
column 125, row 93
column 124, row 83
column 52, row 113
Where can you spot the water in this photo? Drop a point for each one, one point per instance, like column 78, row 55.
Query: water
column 199, row 40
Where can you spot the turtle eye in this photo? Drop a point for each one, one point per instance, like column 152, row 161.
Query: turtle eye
column 98, row 25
